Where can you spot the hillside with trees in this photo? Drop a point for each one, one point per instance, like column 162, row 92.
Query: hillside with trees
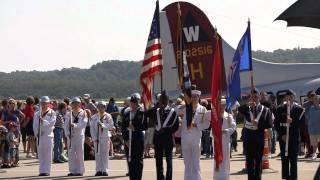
column 111, row 78
column 296, row 55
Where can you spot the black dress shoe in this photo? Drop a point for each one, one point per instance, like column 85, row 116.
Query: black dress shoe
column 99, row 173
column 70, row 174
column 105, row 174
column 44, row 174
column 127, row 174
column 58, row 161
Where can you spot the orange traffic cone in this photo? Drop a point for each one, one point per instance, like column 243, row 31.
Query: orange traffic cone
column 265, row 159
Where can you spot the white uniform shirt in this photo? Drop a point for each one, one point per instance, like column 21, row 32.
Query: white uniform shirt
column 228, row 124
column 47, row 125
column 201, row 118
column 79, row 128
column 107, row 124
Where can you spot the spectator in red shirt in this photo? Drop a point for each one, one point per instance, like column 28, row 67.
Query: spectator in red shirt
column 27, row 124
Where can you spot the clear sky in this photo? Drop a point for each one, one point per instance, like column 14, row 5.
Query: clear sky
column 54, row 34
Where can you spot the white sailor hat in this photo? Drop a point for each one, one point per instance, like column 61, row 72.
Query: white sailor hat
column 102, row 103
column 196, row 92
column 44, row 99
column 86, row 96
column 75, row 100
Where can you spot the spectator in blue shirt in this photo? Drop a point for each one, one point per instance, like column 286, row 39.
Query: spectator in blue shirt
column 113, row 109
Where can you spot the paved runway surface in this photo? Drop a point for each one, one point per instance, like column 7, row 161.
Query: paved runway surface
column 29, row 169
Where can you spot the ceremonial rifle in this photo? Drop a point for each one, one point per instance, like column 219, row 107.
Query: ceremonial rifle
column 98, row 126
column 39, row 125
column 288, row 129
column 70, row 129
column 130, row 136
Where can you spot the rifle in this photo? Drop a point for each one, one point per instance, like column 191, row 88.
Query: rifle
column 130, row 136
column 70, row 129
column 98, row 126
column 288, row 129
column 39, row 125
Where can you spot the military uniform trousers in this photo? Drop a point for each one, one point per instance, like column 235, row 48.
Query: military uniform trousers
column 253, row 142
column 102, row 157
column 75, row 154
column 136, row 163
column 163, row 144
column 191, row 144
column 289, row 163
column 45, row 154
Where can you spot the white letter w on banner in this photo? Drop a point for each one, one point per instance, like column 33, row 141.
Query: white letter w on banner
column 191, row 33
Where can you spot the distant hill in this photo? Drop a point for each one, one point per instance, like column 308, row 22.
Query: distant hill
column 301, row 55
column 110, row 78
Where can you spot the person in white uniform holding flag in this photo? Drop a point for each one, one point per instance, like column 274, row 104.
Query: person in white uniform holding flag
column 191, row 137
column 100, row 125
column 228, row 127
column 43, row 126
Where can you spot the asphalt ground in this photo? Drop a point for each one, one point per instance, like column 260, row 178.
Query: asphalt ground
column 28, row 169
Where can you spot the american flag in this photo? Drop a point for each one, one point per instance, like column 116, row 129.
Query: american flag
column 152, row 63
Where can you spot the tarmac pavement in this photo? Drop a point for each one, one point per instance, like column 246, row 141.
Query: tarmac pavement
column 28, row 169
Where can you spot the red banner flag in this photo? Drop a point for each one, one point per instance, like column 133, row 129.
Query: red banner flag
column 216, row 86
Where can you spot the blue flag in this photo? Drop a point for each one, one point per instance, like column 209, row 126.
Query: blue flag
column 242, row 61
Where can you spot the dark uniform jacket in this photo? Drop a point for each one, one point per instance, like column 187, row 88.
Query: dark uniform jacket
column 172, row 124
column 138, row 121
column 265, row 120
column 297, row 115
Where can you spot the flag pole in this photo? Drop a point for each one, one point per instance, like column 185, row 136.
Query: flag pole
column 250, row 55
column 179, row 45
column 161, row 76
column 216, row 36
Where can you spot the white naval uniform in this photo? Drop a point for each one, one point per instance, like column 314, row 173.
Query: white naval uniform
column 229, row 125
column 46, row 139
column 191, row 141
column 102, row 157
column 75, row 153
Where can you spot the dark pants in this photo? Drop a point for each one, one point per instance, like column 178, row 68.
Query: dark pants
column 289, row 163
column 126, row 150
column 317, row 175
column 234, row 142
column 273, row 140
column 163, row 144
column 136, row 163
column 24, row 134
column 57, row 147
column 254, row 144
column 207, row 143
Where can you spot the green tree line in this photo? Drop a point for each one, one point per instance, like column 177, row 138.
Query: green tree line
column 103, row 80
column 111, row 78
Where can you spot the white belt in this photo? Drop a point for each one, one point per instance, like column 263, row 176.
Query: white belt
column 284, row 124
column 249, row 125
